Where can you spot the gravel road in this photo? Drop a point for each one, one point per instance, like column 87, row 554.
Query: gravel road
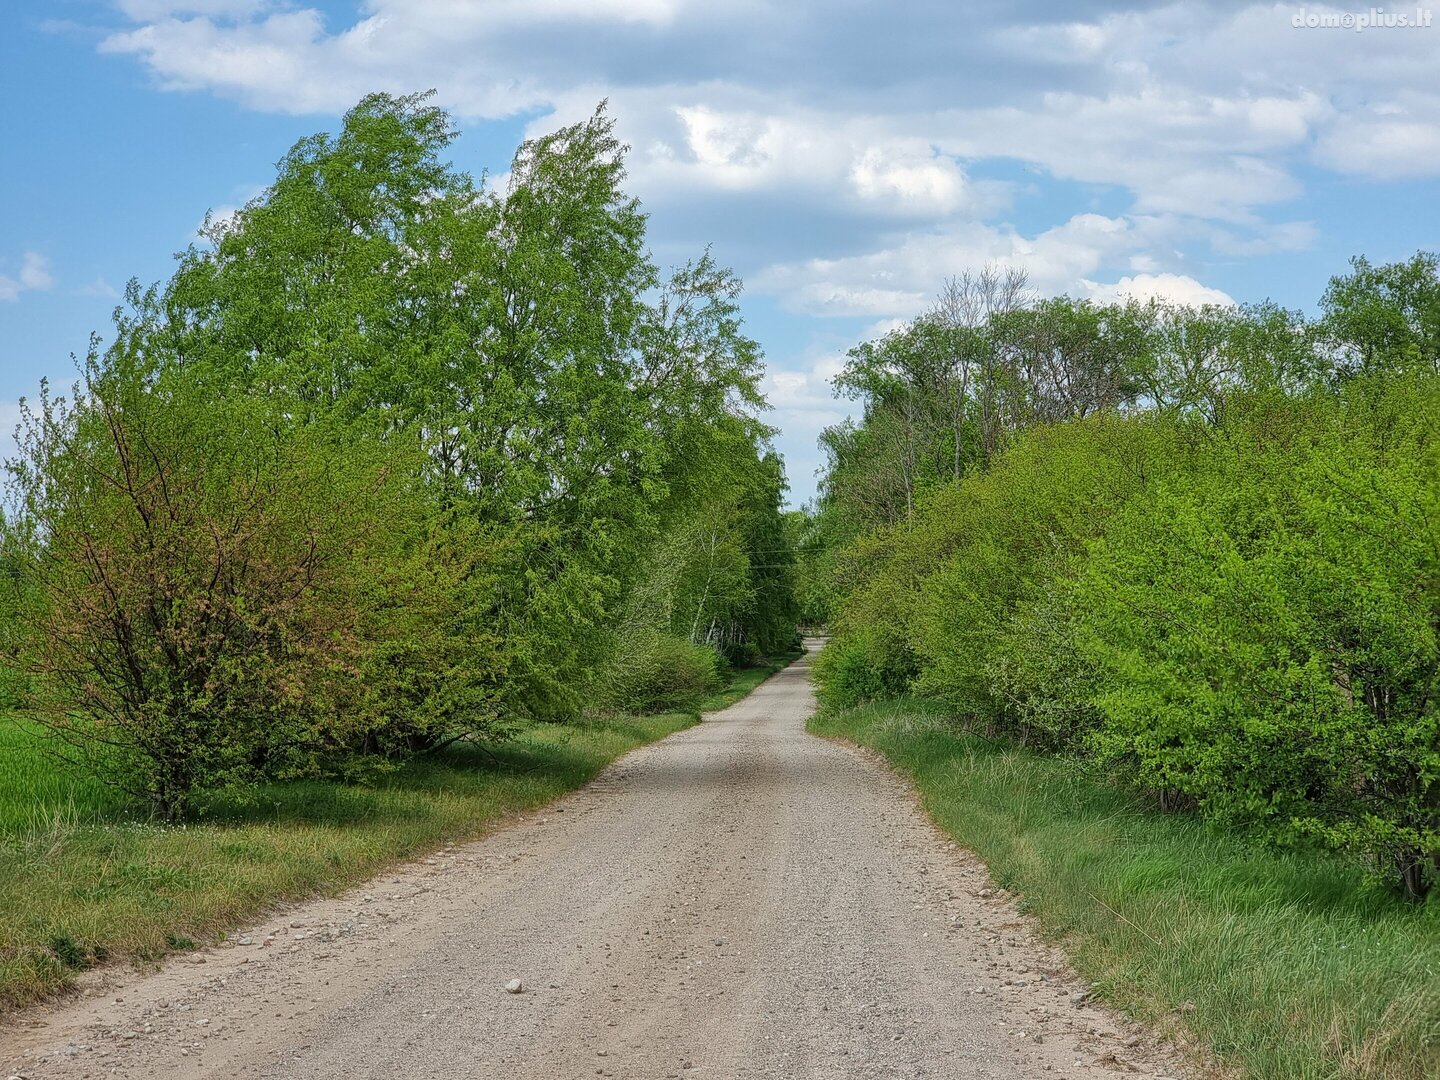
column 741, row 899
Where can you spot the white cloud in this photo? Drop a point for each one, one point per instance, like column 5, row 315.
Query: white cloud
column 804, row 404
column 33, row 276
column 808, row 389
column 899, row 279
column 910, row 176
column 99, row 287
column 1178, row 152
column 854, row 164
column 35, row 272
column 466, row 16
column 1196, row 111
column 147, row 10
column 1396, row 139
column 1179, row 288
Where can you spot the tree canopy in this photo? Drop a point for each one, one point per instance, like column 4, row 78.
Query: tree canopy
column 396, row 457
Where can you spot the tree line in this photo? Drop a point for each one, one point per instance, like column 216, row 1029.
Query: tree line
column 395, row 458
column 1196, row 548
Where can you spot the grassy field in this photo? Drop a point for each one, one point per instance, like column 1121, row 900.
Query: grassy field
column 80, row 882
column 1281, row 965
column 37, row 794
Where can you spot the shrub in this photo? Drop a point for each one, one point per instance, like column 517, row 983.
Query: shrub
column 863, row 665
column 1010, row 532
column 1043, row 684
column 192, row 569
column 654, row 671
column 1269, row 627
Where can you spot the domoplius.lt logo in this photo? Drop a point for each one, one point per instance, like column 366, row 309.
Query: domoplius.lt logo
column 1377, row 18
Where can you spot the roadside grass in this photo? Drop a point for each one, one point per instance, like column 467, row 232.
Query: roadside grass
column 80, row 883
column 1281, row 965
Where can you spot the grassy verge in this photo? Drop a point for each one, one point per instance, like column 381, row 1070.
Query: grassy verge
column 80, row 883
column 1281, row 965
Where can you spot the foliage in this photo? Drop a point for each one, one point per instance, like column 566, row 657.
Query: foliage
column 861, row 666
column 394, row 459
column 1214, row 571
column 1386, row 318
column 1268, row 628
column 655, row 671
column 196, row 583
column 807, row 537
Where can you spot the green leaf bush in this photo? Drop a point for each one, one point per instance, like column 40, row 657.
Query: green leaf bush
column 655, row 672
column 1226, row 593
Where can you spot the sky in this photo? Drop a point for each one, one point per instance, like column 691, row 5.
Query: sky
column 844, row 158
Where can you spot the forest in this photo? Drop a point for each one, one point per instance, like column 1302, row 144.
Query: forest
column 1192, row 550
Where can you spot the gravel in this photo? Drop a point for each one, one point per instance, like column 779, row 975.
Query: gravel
column 740, row 900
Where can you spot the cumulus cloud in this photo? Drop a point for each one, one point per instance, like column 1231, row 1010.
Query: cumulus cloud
column 147, row 10
column 33, row 276
column 1177, row 288
column 899, row 279
column 1196, row 112
column 848, row 162
column 35, row 272
column 804, row 404
column 1399, row 138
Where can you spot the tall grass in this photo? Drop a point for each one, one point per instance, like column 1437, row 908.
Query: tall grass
column 36, row 786
column 1284, row 965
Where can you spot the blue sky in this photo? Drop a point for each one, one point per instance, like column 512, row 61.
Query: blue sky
column 844, row 157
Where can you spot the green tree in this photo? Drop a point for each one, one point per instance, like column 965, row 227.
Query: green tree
column 1386, row 318
column 396, row 458
column 186, row 570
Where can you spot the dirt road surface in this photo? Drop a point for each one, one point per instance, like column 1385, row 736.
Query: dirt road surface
column 741, row 899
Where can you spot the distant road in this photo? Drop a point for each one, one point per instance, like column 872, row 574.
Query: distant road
column 741, row 899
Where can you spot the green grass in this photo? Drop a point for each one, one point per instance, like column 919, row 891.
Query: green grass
column 81, row 882
column 35, row 788
column 1275, row 964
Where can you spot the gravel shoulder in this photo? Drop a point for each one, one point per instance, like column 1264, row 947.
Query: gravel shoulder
column 741, row 899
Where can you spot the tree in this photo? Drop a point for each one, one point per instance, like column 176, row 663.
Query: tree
column 186, row 564
column 511, row 332
column 1385, row 318
column 395, row 459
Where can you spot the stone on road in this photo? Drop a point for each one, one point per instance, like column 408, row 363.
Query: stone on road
column 740, row 900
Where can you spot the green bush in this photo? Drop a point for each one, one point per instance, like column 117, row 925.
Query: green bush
column 1240, row 617
column 860, row 666
column 653, row 672
column 1010, row 533
column 1268, row 627
column 1224, row 583
column 208, row 596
